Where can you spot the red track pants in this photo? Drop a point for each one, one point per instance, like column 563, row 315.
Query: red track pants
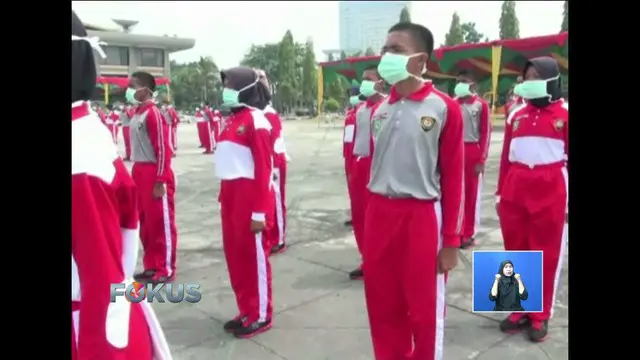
column 279, row 230
column 174, row 136
column 472, row 189
column 246, row 253
column 140, row 344
column 360, row 174
column 113, row 129
column 158, row 232
column 215, row 128
column 126, row 135
column 405, row 294
column 348, row 170
column 532, row 213
column 205, row 135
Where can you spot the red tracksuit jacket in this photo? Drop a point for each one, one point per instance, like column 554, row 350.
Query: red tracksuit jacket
column 245, row 151
column 104, row 222
column 158, row 131
column 175, row 118
column 113, row 116
column 276, row 136
column 349, row 130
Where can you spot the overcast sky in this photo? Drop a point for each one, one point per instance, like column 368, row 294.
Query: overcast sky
column 225, row 30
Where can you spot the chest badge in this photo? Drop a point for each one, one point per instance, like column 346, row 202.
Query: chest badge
column 516, row 124
column 427, row 123
column 241, row 130
column 559, row 125
column 376, row 126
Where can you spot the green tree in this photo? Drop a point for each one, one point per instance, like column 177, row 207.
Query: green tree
column 455, row 35
column 287, row 73
column 470, row 34
column 194, row 82
column 264, row 57
column 509, row 24
column 343, row 55
column 332, row 105
column 404, row 15
column 369, row 52
column 309, row 76
column 565, row 17
column 486, row 39
column 336, row 90
column 330, row 57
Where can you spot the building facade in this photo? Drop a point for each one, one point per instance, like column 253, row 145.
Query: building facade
column 127, row 52
column 364, row 24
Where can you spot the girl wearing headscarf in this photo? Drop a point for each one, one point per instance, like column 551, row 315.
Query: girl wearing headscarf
column 104, row 222
column 243, row 163
column 508, row 289
column 533, row 188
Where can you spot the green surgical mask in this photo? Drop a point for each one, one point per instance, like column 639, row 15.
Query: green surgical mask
column 533, row 89
column 354, row 100
column 462, row 90
column 130, row 96
column 393, row 67
column 230, row 96
column 368, row 88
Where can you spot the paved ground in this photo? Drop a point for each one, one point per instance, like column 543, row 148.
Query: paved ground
column 320, row 314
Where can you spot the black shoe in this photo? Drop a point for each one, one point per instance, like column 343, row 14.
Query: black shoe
column 356, row 274
column 510, row 325
column 278, row 248
column 467, row 244
column 251, row 330
column 233, row 325
column 348, row 223
column 144, row 276
column 537, row 332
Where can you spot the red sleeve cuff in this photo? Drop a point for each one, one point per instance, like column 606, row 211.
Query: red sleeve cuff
column 451, row 241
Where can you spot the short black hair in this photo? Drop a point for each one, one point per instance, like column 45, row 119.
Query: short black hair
column 147, row 80
column 466, row 73
column 373, row 67
column 207, row 103
column 422, row 36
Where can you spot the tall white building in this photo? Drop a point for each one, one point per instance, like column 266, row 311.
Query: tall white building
column 364, row 24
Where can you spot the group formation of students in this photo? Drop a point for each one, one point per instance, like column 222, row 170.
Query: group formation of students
column 412, row 157
column 113, row 210
column 414, row 161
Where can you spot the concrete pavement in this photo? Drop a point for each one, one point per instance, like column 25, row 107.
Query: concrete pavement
column 320, row 313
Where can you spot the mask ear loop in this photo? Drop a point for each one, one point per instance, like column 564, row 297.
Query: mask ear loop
column 248, row 87
column 94, row 42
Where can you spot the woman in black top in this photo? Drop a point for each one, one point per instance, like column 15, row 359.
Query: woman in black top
column 508, row 289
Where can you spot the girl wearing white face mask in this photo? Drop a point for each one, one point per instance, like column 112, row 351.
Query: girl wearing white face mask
column 243, row 163
column 532, row 194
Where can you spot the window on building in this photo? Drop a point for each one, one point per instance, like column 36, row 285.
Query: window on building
column 116, row 55
column 150, row 57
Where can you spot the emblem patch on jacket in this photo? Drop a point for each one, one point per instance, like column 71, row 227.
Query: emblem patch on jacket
column 427, row 123
column 516, row 123
column 240, row 130
column 559, row 124
column 376, row 126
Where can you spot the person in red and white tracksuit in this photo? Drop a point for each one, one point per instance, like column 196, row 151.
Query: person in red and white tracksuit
column 216, row 124
column 101, row 115
column 166, row 114
column 151, row 155
column 112, row 119
column 175, row 120
column 280, row 159
column 204, row 130
column 125, row 118
column 355, row 101
column 362, row 150
column 104, row 234
column 477, row 137
column 413, row 222
column 243, row 163
column 533, row 184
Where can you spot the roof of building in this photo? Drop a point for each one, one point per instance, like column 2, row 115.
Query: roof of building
column 118, row 37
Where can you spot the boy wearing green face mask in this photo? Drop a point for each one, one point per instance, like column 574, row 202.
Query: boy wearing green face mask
column 413, row 220
column 362, row 150
column 477, row 136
